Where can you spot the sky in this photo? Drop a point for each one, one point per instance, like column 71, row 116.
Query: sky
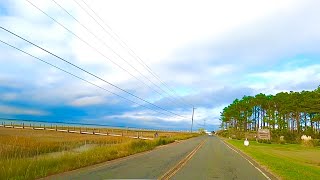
column 205, row 53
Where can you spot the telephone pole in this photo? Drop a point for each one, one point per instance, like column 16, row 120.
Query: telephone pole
column 192, row 118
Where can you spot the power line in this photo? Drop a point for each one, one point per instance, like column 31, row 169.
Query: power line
column 65, row 71
column 139, row 60
column 90, row 45
column 88, row 30
column 135, row 56
column 91, row 74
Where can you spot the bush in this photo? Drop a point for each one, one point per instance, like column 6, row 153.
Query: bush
column 264, row 141
column 289, row 137
column 282, row 142
column 307, row 143
column 236, row 134
column 223, row 133
column 162, row 141
column 316, row 142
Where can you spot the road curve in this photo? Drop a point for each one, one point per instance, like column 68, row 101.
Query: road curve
column 203, row 158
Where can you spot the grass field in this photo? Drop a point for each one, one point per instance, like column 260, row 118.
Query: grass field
column 288, row 161
column 30, row 154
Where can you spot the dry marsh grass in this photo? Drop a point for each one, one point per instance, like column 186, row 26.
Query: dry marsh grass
column 30, row 154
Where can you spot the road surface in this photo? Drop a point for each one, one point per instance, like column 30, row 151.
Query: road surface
column 207, row 158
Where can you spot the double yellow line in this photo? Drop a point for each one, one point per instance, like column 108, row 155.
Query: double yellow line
column 184, row 161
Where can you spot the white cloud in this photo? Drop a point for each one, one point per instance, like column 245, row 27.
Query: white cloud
column 205, row 49
column 88, row 101
column 275, row 81
column 8, row 96
column 21, row 111
column 147, row 115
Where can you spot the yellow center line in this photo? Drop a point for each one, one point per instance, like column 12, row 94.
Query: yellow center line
column 184, row 161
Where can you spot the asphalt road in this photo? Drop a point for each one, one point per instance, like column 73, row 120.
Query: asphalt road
column 217, row 161
column 214, row 160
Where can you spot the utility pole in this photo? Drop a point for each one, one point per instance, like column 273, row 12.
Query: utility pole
column 192, row 118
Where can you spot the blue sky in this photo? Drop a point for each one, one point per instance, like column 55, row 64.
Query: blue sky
column 210, row 52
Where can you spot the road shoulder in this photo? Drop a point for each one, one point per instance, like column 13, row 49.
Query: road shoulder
column 264, row 170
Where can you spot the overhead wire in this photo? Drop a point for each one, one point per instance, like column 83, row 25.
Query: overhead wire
column 87, row 72
column 125, row 46
column 99, row 52
column 117, row 54
column 78, row 77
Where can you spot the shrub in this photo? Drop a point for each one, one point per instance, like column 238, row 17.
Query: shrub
column 282, row 142
column 316, row 142
column 289, row 137
column 223, row 133
column 307, row 143
column 162, row 141
column 264, row 141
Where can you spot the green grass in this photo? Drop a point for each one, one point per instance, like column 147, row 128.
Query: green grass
column 31, row 154
column 288, row 161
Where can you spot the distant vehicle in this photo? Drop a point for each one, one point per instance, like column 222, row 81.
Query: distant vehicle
column 209, row 133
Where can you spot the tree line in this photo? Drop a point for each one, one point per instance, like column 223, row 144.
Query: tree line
column 296, row 112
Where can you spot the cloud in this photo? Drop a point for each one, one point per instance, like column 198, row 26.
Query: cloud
column 298, row 79
column 150, row 116
column 21, row 111
column 211, row 56
column 8, row 96
column 88, row 101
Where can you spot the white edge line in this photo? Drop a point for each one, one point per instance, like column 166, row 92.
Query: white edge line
column 248, row 161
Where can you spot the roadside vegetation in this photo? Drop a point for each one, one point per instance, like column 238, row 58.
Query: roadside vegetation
column 290, row 161
column 290, row 115
column 31, row 154
column 293, row 118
